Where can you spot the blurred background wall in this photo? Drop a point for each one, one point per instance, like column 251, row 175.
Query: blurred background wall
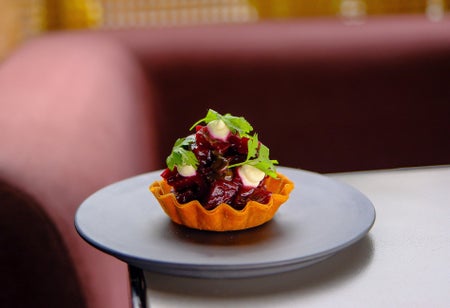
column 23, row 19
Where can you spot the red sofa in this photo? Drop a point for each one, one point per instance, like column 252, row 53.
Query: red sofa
column 81, row 110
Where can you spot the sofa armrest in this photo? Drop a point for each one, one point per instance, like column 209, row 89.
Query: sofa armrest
column 75, row 115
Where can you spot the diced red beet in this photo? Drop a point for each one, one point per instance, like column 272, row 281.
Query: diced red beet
column 261, row 195
column 167, row 173
column 201, row 138
column 215, row 183
column 243, row 196
column 185, row 196
column 239, row 144
column 222, row 191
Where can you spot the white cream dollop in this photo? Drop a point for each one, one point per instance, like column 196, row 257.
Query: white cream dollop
column 218, row 129
column 186, row 170
column 250, row 176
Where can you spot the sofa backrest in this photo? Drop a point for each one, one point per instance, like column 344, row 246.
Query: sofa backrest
column 323, row 95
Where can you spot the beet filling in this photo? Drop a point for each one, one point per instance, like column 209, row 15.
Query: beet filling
column 214, row 183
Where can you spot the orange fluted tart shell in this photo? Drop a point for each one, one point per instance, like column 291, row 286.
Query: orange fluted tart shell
column 223, row 217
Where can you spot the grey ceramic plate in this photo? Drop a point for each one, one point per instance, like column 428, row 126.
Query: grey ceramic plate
column 321, row 217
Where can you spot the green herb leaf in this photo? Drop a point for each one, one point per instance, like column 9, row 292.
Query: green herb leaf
column 252, row 147
column 181, row 154
column 210, row 116
column 258, row 157
column 237, row 125
column 264, row 163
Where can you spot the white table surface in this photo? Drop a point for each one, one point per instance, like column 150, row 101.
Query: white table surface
column 404, row 261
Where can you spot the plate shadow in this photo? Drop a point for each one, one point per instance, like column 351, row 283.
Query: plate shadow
column 265, row 233
column 343, row 266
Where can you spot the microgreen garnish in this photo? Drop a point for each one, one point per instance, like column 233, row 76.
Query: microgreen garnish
column 258, row 157
column 181, row 154
column 237, row 125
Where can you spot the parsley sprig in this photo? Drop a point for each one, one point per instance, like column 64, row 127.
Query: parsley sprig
column 181, row 154
column 237, row 125
column 258, row 157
